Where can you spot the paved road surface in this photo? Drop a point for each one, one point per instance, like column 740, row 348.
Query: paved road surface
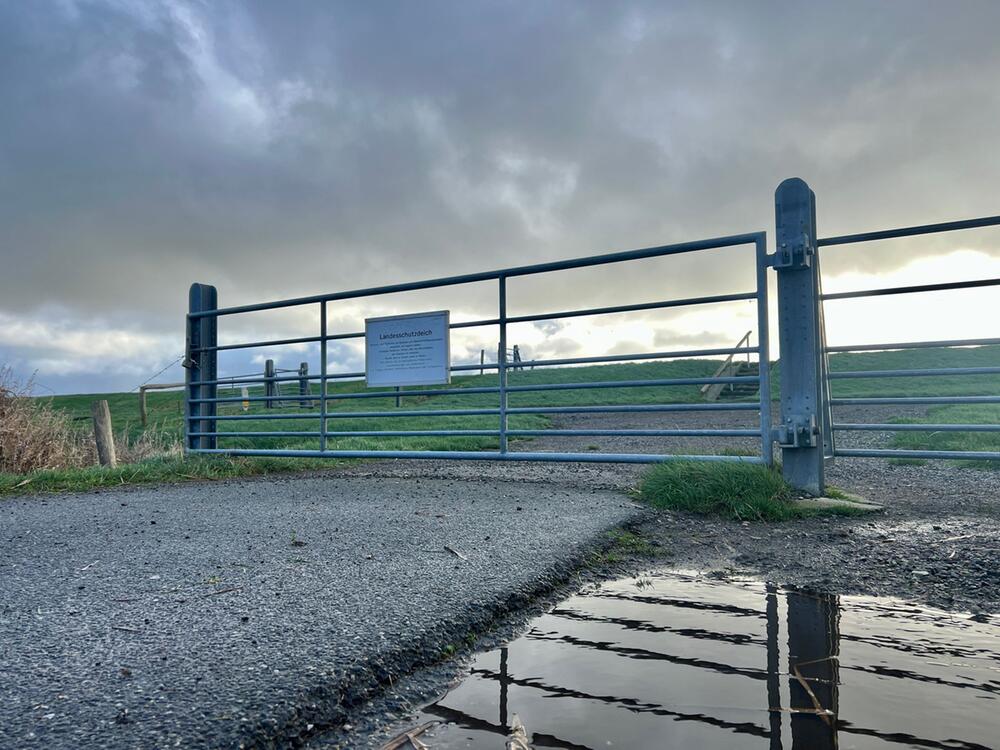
column 209, row 615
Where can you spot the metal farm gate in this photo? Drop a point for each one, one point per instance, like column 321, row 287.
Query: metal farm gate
column 203, row 417
column 805, row 430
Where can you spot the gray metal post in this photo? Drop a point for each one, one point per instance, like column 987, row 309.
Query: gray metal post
column 813, row 647
column 502, row 363
column 763, row 352
column 303, row 385
column 269, row 384
column 804, row 406
column 322, row 374
column 201, row 366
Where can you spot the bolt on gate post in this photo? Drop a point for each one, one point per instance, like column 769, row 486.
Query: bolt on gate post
column 201, row 365
column 804, row 433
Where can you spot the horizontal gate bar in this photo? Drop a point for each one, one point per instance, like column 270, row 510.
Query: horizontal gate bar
column 359, row 433
column 634, row 308
column 488, row 433
column 911, row 289
column 236, row 380
column 754, row 406
column 333, row 376
column 916, row 400
column 492, row 389
column 364, row 414
column 304, row 415
column 637, row 433
column 559, row 265
column 887, row 234
column 687, row 302
column 631, row 383
column 912, row 345
column 914, row 373
column 414, row 433
column 415, row 392
column 888, row 453
column 314, row 339
column 341, row 396
column 693, row 353
column 273, row 433
column 624, row 408
column 617, row 458
column 249, row 344
column 848, row 427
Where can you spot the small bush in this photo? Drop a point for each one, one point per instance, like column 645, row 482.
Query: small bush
column 740, row 491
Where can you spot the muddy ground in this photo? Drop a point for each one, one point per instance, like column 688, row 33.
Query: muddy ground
column 936, row 542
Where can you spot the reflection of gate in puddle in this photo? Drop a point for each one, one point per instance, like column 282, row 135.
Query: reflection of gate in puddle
column 782, row 677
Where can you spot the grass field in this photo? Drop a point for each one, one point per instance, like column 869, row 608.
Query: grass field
column 955, row 441
column 165, row 409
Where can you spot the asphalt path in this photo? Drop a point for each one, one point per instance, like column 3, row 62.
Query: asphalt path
column 257, row 613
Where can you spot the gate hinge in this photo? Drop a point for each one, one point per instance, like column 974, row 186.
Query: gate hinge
column 797, row 432
column 793, row 255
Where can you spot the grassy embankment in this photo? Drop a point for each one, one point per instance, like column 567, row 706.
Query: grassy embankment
column 166, row 414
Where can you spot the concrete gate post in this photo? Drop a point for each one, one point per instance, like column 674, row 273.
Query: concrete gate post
column 804, row 432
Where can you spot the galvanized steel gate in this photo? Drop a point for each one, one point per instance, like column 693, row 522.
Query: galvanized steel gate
column 203, row 418
column 805, row 430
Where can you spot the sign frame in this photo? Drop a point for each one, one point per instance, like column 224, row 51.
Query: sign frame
column 439, row 318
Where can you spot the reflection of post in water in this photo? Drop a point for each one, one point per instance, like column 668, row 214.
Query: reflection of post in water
column 773, row 687
column 813, row 645
column 504, row 680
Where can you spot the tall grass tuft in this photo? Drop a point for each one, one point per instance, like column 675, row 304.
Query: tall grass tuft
column 33, row 435
column 740, row 491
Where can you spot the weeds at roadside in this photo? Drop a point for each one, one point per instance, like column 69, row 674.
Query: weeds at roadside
column 735, row 491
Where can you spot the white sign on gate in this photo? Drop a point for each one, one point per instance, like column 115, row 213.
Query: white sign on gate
column 408, row 350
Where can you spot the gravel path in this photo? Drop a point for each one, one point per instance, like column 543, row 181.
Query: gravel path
column 937, row 540
column 259, row 612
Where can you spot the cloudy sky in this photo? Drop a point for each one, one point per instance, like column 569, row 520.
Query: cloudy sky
column 277, row 149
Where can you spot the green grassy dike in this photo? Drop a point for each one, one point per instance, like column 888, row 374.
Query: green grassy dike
column 166, row 420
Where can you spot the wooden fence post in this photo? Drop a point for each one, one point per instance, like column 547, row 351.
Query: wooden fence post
column 102, row 434
column 270, row 387
column 304, row 403
column 142, row 405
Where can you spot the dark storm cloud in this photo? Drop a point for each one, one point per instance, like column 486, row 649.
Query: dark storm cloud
column 285, row 148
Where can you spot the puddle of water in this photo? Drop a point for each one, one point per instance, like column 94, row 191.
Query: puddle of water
column 679, row 661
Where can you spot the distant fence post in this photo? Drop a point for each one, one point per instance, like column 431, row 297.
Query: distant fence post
column 142, row 405
column 269, row 385
column 482, row 361
column 804, row 430
column 103, row 436
column 303, row 385
column 201, row 367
